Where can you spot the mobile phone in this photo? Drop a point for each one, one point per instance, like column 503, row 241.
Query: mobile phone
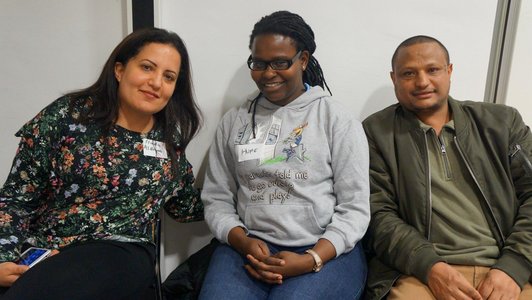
column 32, row 256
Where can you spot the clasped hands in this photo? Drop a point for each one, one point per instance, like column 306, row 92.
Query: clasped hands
column 272, row 269
column 447, row 283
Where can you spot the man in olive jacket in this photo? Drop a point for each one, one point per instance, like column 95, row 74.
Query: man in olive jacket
column 451, row 189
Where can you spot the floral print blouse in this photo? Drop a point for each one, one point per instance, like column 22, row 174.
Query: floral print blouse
column 68, row 184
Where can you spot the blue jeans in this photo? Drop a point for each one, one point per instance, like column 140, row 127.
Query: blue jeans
column 341, row 278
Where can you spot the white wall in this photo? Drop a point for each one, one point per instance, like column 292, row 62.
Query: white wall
column 355, row 42
column 518, row 92
column 48, row 48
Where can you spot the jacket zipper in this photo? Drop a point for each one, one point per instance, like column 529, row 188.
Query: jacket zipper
column 429, row 190
column 501, row 236
column 446, row 164
column 517, row 148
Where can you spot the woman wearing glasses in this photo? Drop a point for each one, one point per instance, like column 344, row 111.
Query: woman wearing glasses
column 287, row 188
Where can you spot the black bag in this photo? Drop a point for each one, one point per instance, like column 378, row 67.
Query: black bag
column 186, row 280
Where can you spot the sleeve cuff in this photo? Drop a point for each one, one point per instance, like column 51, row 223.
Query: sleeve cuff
column 421, row 261
column 516, row 266
column 224, row 233
column 337, row 241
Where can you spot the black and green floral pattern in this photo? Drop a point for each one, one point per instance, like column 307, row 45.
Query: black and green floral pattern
column 68, row 183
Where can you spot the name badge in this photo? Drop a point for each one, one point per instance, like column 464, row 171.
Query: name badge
column 248, row 152
column 154, row 148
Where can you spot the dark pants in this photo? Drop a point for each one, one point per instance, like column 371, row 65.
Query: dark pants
column 91, row 270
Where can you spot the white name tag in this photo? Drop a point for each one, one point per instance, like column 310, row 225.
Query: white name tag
column 154, row 148
column 249, row 152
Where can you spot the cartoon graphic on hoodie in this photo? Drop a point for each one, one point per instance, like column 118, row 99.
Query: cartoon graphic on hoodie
column 289, row 174
column 294, row 143
column 268, row 135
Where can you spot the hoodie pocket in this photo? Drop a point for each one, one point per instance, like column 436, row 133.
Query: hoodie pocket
column 287, row 223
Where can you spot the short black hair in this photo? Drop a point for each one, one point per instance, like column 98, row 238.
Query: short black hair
column 419, row 39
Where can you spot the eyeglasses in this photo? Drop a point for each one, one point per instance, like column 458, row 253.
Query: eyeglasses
column 278, row 64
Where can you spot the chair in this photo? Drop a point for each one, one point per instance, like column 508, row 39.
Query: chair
column 157, row 241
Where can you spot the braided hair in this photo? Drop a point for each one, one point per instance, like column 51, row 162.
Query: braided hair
column 293, row 26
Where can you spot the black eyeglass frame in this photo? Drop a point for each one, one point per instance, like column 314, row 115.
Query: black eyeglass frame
column 271, row 63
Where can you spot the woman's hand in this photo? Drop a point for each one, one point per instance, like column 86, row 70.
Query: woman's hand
column 10, row 272
column 293, row 264
column 258, row 249
column 255, row 247
column 245, row 245
column 286, row 263
column 263, row 269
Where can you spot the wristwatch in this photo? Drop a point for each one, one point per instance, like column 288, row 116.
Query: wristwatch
column 318, row 263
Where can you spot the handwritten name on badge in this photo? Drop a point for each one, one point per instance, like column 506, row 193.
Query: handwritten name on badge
column 154, row 148
column 248, row 152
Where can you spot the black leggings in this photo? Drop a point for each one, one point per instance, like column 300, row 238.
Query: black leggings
column 91, row 270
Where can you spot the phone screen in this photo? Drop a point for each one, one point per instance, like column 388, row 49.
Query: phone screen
column 32, row 256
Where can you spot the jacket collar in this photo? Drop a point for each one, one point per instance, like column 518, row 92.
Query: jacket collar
column 458, row 115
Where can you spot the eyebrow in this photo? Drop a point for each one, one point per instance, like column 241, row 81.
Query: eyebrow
column 430, row 64
column 153, row 63
column 273, row 59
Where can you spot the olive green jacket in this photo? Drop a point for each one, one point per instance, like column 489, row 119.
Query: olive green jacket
column 495, row 145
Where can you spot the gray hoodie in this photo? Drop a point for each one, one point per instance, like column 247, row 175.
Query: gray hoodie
column 300, row 175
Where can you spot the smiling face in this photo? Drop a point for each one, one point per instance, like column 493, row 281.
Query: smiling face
column 278, row 86
column 146, row 82
column 422, row 78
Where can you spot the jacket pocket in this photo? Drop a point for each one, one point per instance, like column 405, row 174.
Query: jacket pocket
column 518, row 155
